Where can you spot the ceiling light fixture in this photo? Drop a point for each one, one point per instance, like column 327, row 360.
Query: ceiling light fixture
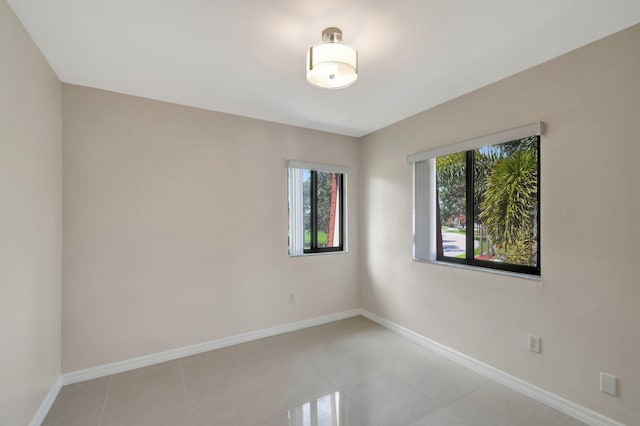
column 332, row 64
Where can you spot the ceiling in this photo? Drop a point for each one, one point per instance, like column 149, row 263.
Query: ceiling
column 247, row 57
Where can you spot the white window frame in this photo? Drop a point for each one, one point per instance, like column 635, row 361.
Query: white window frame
column 296, row 218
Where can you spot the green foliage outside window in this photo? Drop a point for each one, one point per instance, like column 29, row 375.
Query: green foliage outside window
column 505, row 200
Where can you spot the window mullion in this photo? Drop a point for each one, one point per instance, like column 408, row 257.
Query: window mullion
column 340, row 212
column 469, row 207
column 538, row 206
column 314, row 209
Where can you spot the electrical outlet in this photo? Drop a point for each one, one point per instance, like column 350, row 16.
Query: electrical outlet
column 609, row 384
column 292, row 298
column 534, row 343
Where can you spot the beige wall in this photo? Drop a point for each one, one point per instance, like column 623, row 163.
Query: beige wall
column 175, row 227
column 30, row 223
column 586, row 307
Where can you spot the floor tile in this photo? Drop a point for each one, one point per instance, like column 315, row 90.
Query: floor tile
column 327, row 410
column 351, row 372
column 348, row 368
column 236, row 376
column 575, row 422
column 173, row 414
column 496, row 405
column 360, row 363
column 385, row 401
column 441, row 417
column 147, row 396
column 254, row 408
column 441, row 380
column 297, row 383
column 79, row 404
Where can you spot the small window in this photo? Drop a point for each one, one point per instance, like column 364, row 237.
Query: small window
column 481, row 206
column 316, row 208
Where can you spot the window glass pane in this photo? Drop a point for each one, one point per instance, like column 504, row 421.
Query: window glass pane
column 506, row 202
column 306, row 208
column 451, row 219
column 328, row 210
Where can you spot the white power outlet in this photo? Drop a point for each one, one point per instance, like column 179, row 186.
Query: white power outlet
column 292, row 298
column 609, row 384
column 533, row 343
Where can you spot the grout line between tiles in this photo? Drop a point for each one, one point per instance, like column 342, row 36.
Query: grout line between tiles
column 104, row 404
column 184, row 389
column 466, row 394
column 443, row 406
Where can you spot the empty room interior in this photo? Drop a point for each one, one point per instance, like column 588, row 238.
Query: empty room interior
column 319, row 213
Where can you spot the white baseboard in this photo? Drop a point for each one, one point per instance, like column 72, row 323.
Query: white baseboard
column 156, row 358
column 563, row 405
column 44, row 408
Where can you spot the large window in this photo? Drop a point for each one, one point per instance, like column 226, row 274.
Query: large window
column 478, row 202
column 316, row 208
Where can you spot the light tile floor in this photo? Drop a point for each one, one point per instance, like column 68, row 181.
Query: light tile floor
column 346, row 373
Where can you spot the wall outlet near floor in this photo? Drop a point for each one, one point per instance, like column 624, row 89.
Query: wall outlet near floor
column 292, row 298
column 533, row 343
column 608, row 384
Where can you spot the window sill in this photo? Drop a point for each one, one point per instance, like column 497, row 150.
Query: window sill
column 529, row 277
column 319, row 254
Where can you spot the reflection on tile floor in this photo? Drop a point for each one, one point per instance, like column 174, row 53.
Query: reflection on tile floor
column 347, row 373
column 328, row 410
